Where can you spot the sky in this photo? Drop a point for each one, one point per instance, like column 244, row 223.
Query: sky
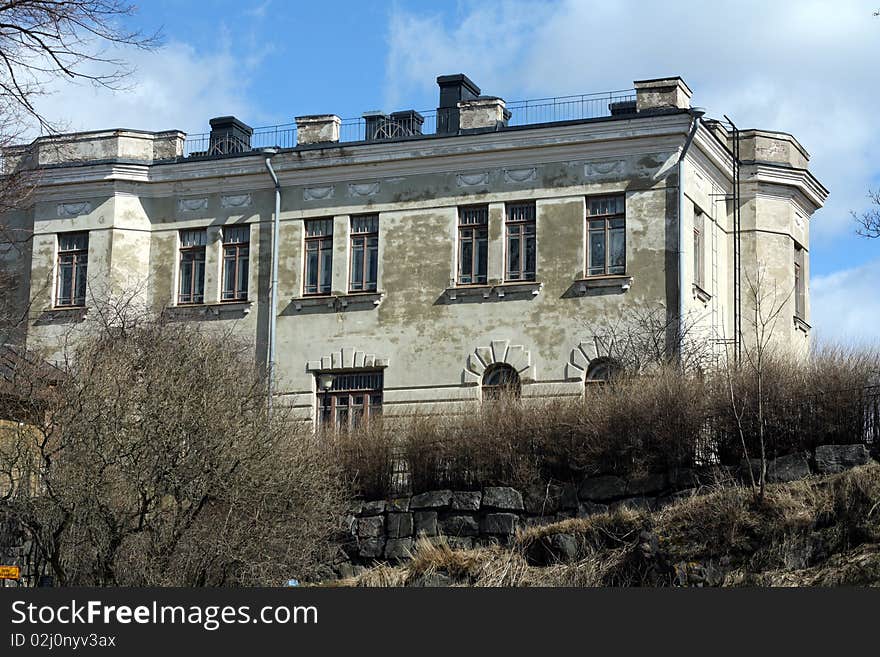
column 800, row 66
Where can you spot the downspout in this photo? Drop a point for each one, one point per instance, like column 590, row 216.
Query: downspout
column 273, row 298
column 696, row 114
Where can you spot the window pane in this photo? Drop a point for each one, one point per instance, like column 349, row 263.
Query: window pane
column 372, row 264
column 531, row 250
column 80, row 277
column 65, row 281
column 513, row 265
column 236, row 234
column 466, row 259
column 597, row 252
column 482, row 256
column 357, row 266
column 243, row 264
column 312, row 271
column 199, row 287
column 617, row 257
column 326, row 267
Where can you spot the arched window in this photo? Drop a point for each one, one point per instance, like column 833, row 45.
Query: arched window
column 501, row 380
column 601, row 371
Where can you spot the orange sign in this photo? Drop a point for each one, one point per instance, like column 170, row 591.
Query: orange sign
column 10, row 572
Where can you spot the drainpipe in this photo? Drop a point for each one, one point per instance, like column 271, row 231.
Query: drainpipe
column 273, row 299
column 696, row 114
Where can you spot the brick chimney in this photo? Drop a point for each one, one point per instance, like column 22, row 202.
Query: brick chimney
column 453, row 90
column 662, row 93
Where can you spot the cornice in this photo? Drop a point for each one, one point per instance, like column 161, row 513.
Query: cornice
column 372, row 161
column 801, row 179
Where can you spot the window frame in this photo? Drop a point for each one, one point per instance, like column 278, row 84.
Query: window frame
column 322, row 243
column 607, row 230
column 370, row 409
column 800, row 292
column 192, row 250
column 473, row 233
column 367, row 286
column 79, row 269
column 699, row 272
column 521, row 224
column 238, row 295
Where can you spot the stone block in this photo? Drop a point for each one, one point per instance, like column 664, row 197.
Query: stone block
column 397, row 549
column 373, row 508
column 590, row 508
column 398, row 505
column 788, row 468
column 502, row 498
column 653, row 483
column 460, row 542
column 459, row 525
column 425, row 523
column 371, row 548
column 499, row 524
column 466, row 500
column 371, row 526
column 831, row 459
column 543, row 500
column 600, row 489
column 399, row 525
column 434, row 499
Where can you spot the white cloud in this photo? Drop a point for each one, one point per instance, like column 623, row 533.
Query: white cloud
column 846, row 306
column 804, row 67
column 174, row 87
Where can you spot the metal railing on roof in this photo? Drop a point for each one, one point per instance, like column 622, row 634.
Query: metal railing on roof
column 408, row 124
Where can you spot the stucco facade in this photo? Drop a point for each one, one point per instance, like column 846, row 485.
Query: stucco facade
column 432, row 338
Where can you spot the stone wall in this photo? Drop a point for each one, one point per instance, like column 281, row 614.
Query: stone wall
column 386, row 530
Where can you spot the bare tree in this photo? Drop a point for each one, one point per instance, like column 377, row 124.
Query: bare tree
column 869, row 221
column 151, row 460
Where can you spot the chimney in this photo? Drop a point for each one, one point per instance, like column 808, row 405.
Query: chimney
column 662, row 93
column 317, row 129
column 229, row 135
column 482, row 112
column 453, row 90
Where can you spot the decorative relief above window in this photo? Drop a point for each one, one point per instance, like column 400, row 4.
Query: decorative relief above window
column 235, row 201
column 520, row 175
column 192, row 204
column 472, row 179
column 318, row 193
column 498, row 352
column 66, row 210
column 359, row 190
column 596, row 169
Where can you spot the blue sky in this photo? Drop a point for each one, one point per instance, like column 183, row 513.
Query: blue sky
column 799, row 66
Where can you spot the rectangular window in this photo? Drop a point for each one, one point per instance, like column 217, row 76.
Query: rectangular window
column 236, row 248
column 73, row 260
column 606, row 235
column 364, row 253
column 352, row 400
column 521, row 245
column 192, row 266
column 799, row 287
column 699, row 249
column 319, row 256
column 473, row 245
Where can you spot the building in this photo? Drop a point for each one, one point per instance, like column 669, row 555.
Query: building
column 427, row 260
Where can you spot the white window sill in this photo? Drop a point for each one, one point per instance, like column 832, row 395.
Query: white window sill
column 205, row 309
column 498, row 290
column 700, row 294
column 801, row 325
column 620, row 282
column 339, row 301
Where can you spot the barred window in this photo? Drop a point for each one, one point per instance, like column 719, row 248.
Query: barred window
column 73, row 260
column 236, row 250
column 473, row 244
column 521, row 245
column 364, row 253
column 319, row 256
column 352, row 400
column 500, row 381
column 191, row 288
column 606, row 239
